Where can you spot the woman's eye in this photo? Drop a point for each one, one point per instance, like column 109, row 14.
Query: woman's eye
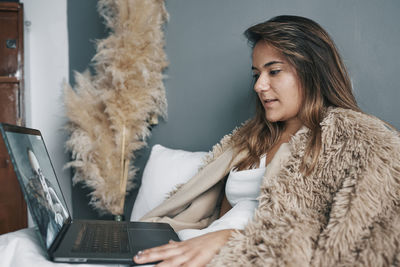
column 255, row 76
column 274, row 72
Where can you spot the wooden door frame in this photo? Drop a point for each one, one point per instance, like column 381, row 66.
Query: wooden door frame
column 19, row 76
column 16, row 220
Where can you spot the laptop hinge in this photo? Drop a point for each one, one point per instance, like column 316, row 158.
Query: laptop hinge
column 59, row 236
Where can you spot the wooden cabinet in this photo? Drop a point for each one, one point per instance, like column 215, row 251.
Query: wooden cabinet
column 13, row 214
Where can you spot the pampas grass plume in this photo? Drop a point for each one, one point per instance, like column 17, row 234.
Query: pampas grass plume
column 110, row 112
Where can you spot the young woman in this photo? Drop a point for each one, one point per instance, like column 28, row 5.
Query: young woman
column 309, row 181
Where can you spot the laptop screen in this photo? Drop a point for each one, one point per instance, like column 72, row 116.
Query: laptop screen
column 38, row 180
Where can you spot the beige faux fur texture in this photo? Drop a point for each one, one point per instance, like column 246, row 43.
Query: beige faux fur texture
column 110, row 112
column 345, row 213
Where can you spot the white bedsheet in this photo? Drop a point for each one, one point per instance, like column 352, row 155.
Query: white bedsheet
column 22, row 249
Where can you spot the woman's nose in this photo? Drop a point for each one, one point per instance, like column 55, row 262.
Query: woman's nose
column 262, row 84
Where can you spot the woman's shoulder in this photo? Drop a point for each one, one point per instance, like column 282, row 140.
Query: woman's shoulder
column 224, row 144
column 350, row 125
column 349, row 117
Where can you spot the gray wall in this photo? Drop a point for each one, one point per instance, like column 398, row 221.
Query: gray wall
column 209, row 79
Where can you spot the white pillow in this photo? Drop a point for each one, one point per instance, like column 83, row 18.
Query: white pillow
column 165, row 169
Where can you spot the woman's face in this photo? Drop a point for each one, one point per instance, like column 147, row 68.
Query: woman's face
column 276, row 84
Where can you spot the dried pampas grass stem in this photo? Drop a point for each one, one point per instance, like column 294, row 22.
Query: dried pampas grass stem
column 124, row 169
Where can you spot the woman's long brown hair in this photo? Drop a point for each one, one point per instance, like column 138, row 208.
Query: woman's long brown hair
column 323, row 78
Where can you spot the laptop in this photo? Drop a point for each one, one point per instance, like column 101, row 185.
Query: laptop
column 67, row 240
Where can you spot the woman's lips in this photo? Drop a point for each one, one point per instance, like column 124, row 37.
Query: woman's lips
column 270, row 102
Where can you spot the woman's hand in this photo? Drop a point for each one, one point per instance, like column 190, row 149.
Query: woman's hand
column 197, row 251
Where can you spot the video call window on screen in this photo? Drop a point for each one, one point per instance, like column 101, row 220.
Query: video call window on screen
column 35, row 172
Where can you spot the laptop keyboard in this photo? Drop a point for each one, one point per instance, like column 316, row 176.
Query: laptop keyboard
column 102, row 238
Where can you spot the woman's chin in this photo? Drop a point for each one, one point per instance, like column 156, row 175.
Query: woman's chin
column 272, row 119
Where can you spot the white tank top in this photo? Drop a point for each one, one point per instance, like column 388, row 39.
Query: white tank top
column 244, row 185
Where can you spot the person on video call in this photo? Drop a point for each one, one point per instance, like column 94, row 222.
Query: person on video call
column 47, row 206
column 310, row 180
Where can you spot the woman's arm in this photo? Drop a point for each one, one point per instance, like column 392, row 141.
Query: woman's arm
column 197, row 251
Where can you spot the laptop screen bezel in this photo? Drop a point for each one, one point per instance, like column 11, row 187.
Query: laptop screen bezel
column 24, row 130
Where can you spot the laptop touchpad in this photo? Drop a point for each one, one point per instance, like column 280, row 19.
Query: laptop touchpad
column 141, row 239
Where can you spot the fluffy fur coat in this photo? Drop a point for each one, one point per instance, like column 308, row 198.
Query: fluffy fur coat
column 346, row 213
